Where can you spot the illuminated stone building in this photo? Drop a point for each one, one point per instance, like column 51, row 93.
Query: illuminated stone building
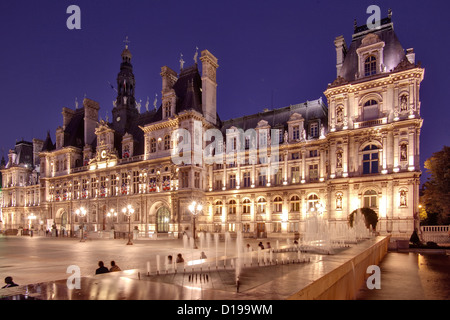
column 362, row 150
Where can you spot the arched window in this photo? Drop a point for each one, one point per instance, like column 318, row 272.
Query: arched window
column 312, row 201
column 370, row 159
column 370, row 199
column 262, row 205
column 232, row 207
column 370, row 110
column 295, row 203
column 370, row 66
column 277, row 204
column 246, row 205
column 218, row 208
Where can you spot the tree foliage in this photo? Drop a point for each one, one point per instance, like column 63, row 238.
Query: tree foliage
column 370, row 217
column 436, row 196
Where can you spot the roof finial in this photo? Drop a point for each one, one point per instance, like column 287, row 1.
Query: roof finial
column 196, row 55
column 126, row 41
column 390, row 13
column 181, row 61
column 155, row 101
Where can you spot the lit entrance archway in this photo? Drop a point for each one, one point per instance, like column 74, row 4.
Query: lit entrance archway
column 162, row 220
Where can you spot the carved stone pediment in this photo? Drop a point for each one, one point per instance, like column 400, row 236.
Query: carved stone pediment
column 295, row 117
column 404, row 64
column 370, row 39
column 338, row 82
column 262, row 123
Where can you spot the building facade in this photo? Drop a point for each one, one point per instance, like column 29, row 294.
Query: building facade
column 261, row 174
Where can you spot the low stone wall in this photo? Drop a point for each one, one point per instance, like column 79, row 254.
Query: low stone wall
column 343, row 282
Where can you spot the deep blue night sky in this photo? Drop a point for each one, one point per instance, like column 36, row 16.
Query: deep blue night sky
column 271, row 54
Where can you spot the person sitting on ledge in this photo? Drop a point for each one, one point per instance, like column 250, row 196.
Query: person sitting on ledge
column 180, row 258
column 9, row 283
column 114, row 267
column 101, row 268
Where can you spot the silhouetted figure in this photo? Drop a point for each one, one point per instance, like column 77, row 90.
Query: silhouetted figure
column 180, row 258
column 9, row 283
column 101, row 268
column 114, row 267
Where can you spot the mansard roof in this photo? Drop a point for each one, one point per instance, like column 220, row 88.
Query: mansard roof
column 74, row 131
column 188, row 90
column 277, row 118
column 48, row 144
column 393, row 52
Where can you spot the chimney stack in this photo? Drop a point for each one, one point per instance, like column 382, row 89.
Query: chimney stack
column 90, row 119
column 341, row 51
column 209, row 86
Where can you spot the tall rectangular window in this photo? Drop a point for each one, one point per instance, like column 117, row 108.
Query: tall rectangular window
column 185, row 179
column 296, row 132
column 103, row 190
column 247, row 181
column 113, row 188
column 125, row 182
column 313, row 172
column 262, row 180
column 370, row 159
column 94, row 185
column 135, row 182
column 76, row 189
column 232, row 181
column 295, row 174
column 370, row 66
column 314, row 130
column 197, row 180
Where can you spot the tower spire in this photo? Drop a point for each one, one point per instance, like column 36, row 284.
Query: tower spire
column 125, row 106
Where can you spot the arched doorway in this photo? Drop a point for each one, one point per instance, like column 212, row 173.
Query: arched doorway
column 64, row 223
column 162, row 220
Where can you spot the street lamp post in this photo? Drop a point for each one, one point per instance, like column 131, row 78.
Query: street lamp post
column 81, row 213
column 195, row 209
column 128, row 211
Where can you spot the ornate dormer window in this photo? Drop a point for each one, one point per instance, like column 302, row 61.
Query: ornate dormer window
column 296, row 127
column 370, row 56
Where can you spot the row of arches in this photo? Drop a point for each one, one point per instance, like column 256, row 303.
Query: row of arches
column 159, row 214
